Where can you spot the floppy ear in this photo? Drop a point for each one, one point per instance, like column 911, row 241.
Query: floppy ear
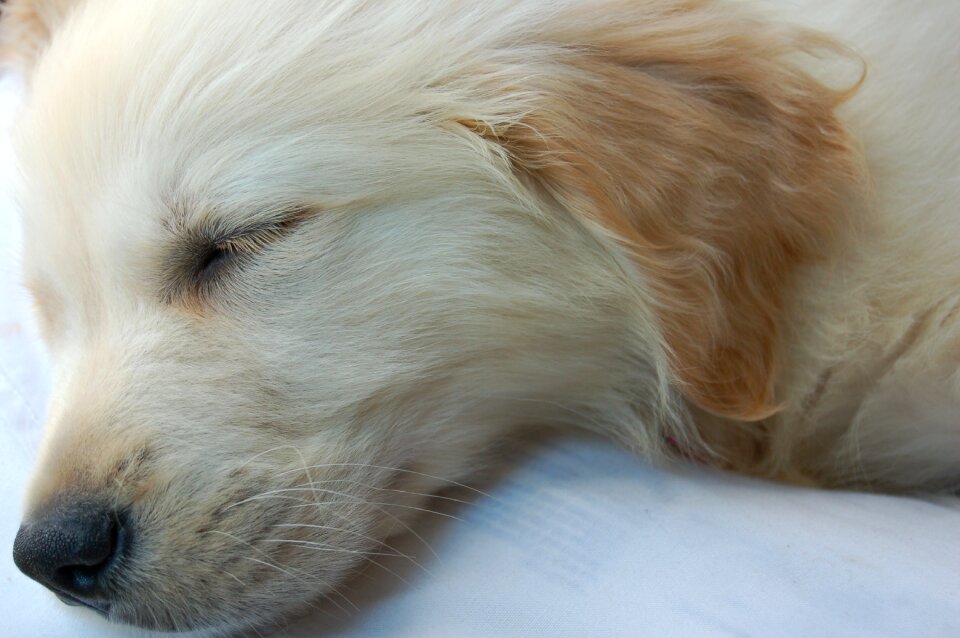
column 688, row 131
column 26, row 27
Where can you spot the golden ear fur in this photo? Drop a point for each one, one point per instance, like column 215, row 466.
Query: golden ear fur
column 690, row 133
column 26, row 27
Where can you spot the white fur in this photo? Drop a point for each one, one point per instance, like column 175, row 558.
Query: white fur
column 432, row 304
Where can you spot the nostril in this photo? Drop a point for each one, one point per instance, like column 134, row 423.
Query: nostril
column 84, row 576
column 78, row 578
column 71, row 549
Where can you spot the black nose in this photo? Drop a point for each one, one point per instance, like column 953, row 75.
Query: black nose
column 72, row 549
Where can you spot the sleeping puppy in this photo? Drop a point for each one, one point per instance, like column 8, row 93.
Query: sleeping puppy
column 300, row 263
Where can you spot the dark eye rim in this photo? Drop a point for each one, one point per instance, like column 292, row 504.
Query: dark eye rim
column 217, row 257
column 212, row 260
column 209, row 257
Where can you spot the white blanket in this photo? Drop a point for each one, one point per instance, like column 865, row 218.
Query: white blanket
column 578, row 538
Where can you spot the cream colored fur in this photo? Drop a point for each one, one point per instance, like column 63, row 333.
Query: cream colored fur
column 440, row 237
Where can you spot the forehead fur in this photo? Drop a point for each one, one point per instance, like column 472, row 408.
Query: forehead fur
column 203, row 83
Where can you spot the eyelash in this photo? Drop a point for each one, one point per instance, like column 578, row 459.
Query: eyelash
column 247, row 243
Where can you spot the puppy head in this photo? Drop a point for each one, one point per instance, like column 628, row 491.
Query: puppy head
column 298, row 267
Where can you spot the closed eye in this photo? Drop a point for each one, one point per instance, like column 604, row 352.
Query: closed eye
column 207, row 257
column 233, row 250
column 211, row 261
column 216, row 256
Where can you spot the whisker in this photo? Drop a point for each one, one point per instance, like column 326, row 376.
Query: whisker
column 156, row 619
column 403, row 525
column 326, row 547
column 306, row 470
column 267, row 556
column 357, row 500
column 278, row 568
column 277, row 494
column 270, row 494
column 396, row 551
column 388, row 489
column 383, row 504
column 343, row 598
column 233, row 576
column 273, row 449
column 390, row 571
column 272, row 564
column 401, row 470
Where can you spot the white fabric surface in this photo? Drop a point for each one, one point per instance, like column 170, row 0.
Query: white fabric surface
column 578, row 538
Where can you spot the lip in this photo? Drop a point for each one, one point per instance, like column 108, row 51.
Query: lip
column 102, row 607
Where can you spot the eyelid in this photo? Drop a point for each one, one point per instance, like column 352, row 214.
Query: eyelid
column 251, row 239
column 258, row 235
column 244, row 242
column 184, row 278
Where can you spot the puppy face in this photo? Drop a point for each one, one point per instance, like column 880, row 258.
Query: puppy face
column 299, row 267
column 284, row 303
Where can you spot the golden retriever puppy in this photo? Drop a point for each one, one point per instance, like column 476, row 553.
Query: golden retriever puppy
column 301, row 262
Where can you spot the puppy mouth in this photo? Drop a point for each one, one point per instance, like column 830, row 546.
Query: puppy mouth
column 119, row 595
